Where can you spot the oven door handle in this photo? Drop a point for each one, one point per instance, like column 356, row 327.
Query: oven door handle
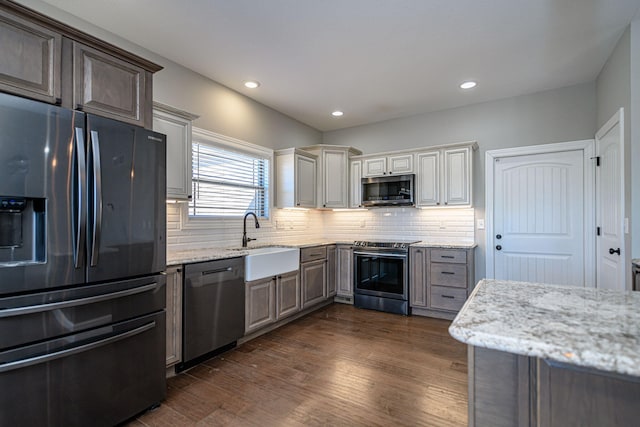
column 36, row 360
column 380, row 254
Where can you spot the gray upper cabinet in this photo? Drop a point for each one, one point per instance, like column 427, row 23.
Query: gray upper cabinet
column 44, row 59
column 108, row 86
column 355, row 184
column 387, row 165
column 176, row 125
column 30, row 64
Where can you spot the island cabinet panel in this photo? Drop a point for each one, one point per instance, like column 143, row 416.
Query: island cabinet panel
column 30, row 64
column 576, row 397
column 498, row 389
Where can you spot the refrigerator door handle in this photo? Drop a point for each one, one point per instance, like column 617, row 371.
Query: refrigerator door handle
column 30, row 309
column 97, row 197
column 11, row 366
column 81, row 213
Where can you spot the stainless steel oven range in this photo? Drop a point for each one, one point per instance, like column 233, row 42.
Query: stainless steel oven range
column 381, row 275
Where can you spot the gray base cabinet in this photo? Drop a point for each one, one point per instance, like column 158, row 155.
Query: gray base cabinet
column 174, row 315
column 507, row 390
column 313, row 275
column 288, row 295
column 271, row 299
column 440, row 280
column 260, row 307
column 332, row 271
column 345, row 271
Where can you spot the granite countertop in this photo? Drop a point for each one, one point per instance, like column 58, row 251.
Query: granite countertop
column 446, row 245
column 586, row 327
column 210, row 254
column 636, row 261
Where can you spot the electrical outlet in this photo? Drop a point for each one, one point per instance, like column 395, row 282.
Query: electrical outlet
column 480, row 224
column 363, row 223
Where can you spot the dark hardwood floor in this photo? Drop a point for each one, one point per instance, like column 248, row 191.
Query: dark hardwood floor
column 339, row 366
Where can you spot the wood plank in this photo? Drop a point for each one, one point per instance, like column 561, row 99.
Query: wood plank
column 336, row 366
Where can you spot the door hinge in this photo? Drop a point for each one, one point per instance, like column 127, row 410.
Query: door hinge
column 597, row 160
column 597, row 231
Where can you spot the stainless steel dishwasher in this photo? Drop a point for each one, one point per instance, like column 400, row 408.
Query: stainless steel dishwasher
column 213, row 310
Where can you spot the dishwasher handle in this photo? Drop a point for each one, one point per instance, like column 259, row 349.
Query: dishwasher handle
column 217, row 270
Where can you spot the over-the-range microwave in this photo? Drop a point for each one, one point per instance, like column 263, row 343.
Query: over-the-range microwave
column 394, row 190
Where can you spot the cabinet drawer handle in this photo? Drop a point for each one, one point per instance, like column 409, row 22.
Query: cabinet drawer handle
column 447, row 256
column 315, row 254
column 447, row 272
column 448, row 296
column 217, row 270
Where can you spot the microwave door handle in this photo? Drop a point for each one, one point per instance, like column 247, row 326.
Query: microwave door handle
column 97, row 197
column 81, row 212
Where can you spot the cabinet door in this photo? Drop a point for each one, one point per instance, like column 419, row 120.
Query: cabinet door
column 305, row 181
column 314, row 279
column 30, row 64
column 428, row 177
column 174, row 315
column 260, row 307
column 374, row 167
column 355, row 188
column 331, row 270
column 457, row 176
column 401, row 164
column 287, row 295
column 345, row 271
column 178, row 131
column 335, row 175
column 418, row 277
column 109, row 87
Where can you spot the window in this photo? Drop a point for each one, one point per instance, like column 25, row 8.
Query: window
column 229, row 178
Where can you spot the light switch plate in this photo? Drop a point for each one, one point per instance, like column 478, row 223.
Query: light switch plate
column 480, row 224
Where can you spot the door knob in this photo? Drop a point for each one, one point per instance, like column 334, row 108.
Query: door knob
column 614, row 251
column 499, row 247
column 498, row 236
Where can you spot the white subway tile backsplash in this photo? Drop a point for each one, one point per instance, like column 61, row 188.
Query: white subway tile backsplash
column 433, row 225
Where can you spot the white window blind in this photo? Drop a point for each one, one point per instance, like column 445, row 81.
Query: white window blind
column 228, row 183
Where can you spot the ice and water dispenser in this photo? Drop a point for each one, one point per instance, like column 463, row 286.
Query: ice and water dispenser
column 22, row 230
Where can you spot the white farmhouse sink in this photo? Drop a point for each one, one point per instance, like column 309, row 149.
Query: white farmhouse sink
column 270, row 261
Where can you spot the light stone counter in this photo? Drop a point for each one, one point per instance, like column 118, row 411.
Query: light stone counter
column 210, row 254
column 584, row 327
column 444, row 245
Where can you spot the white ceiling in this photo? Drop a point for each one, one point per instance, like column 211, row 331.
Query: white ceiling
column 373, row 59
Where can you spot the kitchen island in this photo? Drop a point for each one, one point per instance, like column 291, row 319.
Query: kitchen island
column 550, row 355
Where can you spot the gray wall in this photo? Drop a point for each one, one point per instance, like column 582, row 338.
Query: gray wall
column 613, row 90
column 561, row 115
column 221, row 109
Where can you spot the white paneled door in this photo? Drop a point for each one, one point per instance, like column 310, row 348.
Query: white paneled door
column 538, row 218
column 610, row 205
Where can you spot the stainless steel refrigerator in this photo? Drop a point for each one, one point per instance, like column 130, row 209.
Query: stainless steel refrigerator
column 82, row 246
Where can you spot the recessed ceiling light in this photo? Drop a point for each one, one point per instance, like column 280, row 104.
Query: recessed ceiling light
column 337, row 113
column 468, row 85
column 251, row 84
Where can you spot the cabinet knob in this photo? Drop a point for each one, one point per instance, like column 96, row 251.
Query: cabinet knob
column 499, row 248
column 498, row 236
column 437, row 203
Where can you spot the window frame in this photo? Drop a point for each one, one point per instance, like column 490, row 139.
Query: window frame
column 203, row 136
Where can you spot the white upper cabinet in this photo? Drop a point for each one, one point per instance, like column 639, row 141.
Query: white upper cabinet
column 428, row 179
column 176, row 125
column 355, row 184
column 333, row 174
column 388, row 165
column 444, row 176
column 295, row 179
